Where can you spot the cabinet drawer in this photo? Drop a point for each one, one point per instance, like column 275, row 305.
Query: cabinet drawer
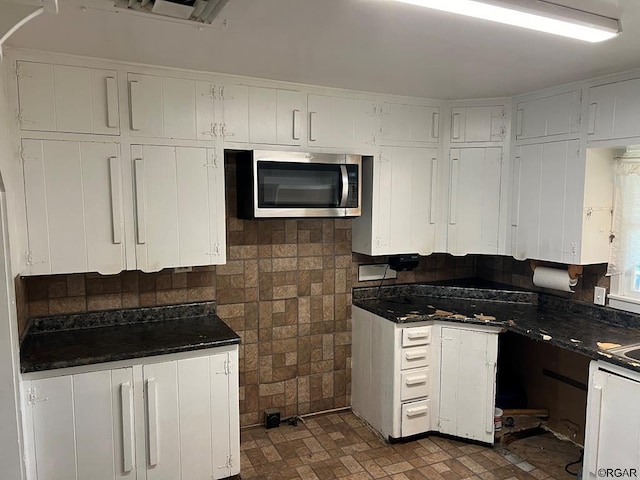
column 415, row 418
column 415, row 357
column 416, row 336
column 414, row 383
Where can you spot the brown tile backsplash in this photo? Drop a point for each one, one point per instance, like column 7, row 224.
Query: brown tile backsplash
column 286, row 290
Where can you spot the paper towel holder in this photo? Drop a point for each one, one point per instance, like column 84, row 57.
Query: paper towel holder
column 575, row 271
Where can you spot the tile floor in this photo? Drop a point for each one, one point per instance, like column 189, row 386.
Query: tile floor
column 339, row 445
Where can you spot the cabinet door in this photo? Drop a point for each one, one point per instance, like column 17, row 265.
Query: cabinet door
column 275, row 116
column 553, row 115
column 467, row 383
column 474, row 200
column 59, row 98
column 74, row 207
column 83, row 426
column 179, row 206
column 614, row 110
column 235, row 105
column 342, row 122
column 478, row 124
column 548, row 202
column 162, row 107
column 188, row 405
column 613, row 423
column 410, row 123
column 405, row 200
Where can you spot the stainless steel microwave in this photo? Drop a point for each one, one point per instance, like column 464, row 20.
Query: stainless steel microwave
column 294, row 184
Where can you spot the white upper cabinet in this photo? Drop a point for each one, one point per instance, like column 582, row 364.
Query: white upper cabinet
column 399, row 202
column 342, row 122
column 59, row 98
column 262, row 115
column 162, row 107
column 410, row 123
column 74, row 207
column 614, row 110
column 179, row 202
column 474, row 200
column 548, row 116
column 478, row 124
column 561, row 204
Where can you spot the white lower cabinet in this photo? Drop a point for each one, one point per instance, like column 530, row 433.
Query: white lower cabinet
column 422, row 377
column 159, row 421
column 613, row 422
column 468, row 357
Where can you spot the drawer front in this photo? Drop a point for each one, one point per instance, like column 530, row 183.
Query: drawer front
column 415, row 357
column 415, row 384
column 416, row 336
column 415, row 418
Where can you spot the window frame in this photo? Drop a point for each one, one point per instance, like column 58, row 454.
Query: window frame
column 623, row 295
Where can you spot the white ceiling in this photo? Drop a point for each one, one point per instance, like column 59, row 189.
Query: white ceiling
column 371, row 45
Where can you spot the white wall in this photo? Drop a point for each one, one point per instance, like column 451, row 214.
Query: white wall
column 11, row 465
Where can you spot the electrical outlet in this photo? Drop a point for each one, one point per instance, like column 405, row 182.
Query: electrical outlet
column 599, row 295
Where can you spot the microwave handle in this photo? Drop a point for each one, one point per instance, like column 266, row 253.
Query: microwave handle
column 345, row 186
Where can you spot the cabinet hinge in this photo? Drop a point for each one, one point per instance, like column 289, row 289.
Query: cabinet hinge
column 212, row 160
column 221, row 91
column 32, row 397
column 19, row 73
column 21, row 120
column 227, row 367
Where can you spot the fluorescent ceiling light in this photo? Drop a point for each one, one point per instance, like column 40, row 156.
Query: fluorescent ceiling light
column 532, row 14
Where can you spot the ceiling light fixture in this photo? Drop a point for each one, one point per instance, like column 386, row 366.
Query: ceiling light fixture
column 532, row 14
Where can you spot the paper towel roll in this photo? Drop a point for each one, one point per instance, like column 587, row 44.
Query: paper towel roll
column 553, row 278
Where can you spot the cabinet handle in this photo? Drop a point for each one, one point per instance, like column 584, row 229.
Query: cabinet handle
column 490, row 405
column 417, row 380
column 415, row 335
column 435, row 125
column 134, row 92
column 455, row 126
column 415, row 411
column 152, row 415
column 138, row 164
column 593, row 110
column 453, row 191
column 415, row 355
column 116, row 199
column 312, row 122
column 594, row 438
column 296, row 124
column 519, row 115
column 126, row 402
column 112, row 102
column 434, row 187
column 515, row 186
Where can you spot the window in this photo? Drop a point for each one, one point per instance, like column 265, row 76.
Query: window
column 624, row 261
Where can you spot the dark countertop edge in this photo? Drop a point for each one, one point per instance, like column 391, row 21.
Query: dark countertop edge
column 577, row 347
column 140, row 355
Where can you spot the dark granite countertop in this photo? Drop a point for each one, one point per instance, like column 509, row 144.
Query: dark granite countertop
column 84, row 339
column 570, row 325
